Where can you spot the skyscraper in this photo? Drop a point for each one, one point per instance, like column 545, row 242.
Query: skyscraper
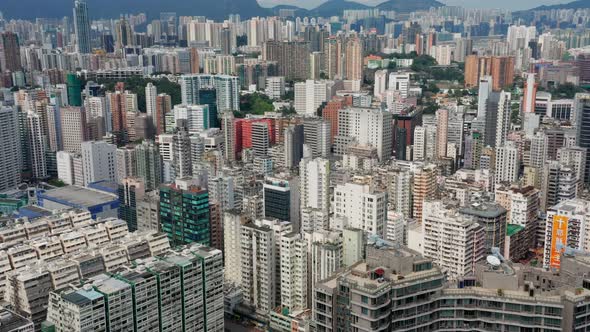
column 149, row 164
column 315, row 183
column 131, row 191
column 583, row 137
column 82, row 26
column 292, row 58
column 74, row 85
column 503, row 119
column 184, row 213
column 9, row 52
column 163, row 107
column 74, row 128
column 530, row 94
column 151, row 93
column 485, row 88
column 364, row 207
column 10, row 151
column 293, row 145
column 260, row 139
column 36, row 146
column 354, row 59
column 442, row 124
column 99, row 161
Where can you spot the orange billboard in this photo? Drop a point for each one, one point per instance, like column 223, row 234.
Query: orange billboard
column 558, row 239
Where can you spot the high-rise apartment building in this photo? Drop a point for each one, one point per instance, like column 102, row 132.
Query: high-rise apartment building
column 293, row 142
column 36, row 146
column 148, row 164
column 260, row 139
column 292, row 58
column 294, row 271
column 184, row 213
column 503, row 116
column 365, row 126
column 151, row 93
column 442, row 125
column 261, row 263
column 363, row 207
column 354, row 59
column 501, row 68
column 74, row 128
column 453, row 241
column 131, row 191
column 309, row 95
column 126, row 162
column 565, row 227
column 424, row 187
column 316, row 134
column 507, row 163
column 99, row 162
column 281, row 199
column 10, row 59
column 10, row 150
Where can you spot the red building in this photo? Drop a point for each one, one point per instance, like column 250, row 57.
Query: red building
column 330, row 112
column 243, row 130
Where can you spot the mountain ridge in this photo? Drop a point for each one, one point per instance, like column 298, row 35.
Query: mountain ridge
column 570, row 5
column 31, row 9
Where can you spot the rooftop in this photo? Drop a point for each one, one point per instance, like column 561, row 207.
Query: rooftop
column 82, row 296
column 486, row 210
column 9, row 321
column 78, row 196
column 512, row 229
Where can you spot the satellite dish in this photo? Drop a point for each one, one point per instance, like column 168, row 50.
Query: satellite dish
column 493, row 260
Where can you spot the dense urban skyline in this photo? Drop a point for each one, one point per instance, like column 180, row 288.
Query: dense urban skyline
column 183, row 166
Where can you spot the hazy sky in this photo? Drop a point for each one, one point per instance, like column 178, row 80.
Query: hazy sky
column 509, row 4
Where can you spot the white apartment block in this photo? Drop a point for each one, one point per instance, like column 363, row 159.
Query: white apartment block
column 309, row 95
column 232, row 244
column 275, row 87
column 362, row 206
column 380, row 84
column 453, row 241
column 314, row 175
column 197, row 117
column 507, row 163
column 259, row 267
column 365, row 126
column 294, row 271
column 65, row 167
column 99, row 162
column 151, row 92
column 399, row 82
column 503, row 119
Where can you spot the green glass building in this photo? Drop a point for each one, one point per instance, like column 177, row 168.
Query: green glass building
column 184, row 215
column 74, row 85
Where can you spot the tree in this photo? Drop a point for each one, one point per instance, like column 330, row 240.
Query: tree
column 137, row 85
column 255, row 103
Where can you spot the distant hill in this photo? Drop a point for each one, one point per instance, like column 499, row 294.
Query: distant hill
column 405, row 6
column 336, row 7
column 218, row 10
column 298, row 10
column 571, row 5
